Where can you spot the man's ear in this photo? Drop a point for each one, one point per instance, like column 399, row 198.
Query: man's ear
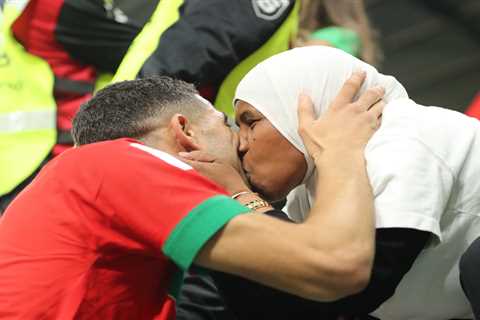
column 184, row 135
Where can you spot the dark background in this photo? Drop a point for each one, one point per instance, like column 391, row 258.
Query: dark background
column 432, row 47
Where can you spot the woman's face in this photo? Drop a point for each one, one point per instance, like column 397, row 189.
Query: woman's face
column 272, row 164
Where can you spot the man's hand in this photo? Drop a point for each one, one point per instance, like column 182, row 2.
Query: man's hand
column 223, row 174
column 346, row 125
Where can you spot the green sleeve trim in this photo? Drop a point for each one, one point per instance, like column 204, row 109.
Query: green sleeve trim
column 195, row 229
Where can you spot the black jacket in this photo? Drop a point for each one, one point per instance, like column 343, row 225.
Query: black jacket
column 202, row 47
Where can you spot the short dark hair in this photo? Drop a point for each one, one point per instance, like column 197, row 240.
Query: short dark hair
column 132, row 108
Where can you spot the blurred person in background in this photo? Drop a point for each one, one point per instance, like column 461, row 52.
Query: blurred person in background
column 61, row 51
column 211, row 43
column 342, row 24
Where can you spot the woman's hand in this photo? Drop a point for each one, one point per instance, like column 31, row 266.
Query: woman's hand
column 223, row 174
column 346, row 125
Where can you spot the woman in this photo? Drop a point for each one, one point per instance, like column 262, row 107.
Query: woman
column 422, row 165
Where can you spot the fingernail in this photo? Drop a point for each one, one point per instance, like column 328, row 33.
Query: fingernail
column 184, row 154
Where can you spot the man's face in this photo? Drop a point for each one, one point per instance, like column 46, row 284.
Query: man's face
column 215, row 136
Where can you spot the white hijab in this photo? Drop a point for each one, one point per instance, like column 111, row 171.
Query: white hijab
column 274, row 85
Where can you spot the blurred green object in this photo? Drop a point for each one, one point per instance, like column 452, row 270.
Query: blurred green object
column 341, row 38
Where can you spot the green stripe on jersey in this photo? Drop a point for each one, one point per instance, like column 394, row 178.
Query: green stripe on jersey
column 196, row 228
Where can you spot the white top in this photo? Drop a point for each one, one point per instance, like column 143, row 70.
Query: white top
column 424, row 166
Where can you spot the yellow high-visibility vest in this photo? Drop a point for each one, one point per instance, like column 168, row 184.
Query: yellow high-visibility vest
column 167, row 13
column 27, row 107
column 147, row 40
column 279, row 42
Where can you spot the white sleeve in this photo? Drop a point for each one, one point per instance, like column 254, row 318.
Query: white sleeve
column 411, row 184
column 297, row 206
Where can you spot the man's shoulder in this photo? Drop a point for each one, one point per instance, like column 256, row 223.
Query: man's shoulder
column 109, row 148
column 126, row 154
column 99, row 155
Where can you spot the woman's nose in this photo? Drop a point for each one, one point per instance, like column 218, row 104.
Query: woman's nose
column 243, row 143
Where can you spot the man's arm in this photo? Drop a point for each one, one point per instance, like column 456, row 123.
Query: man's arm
column 331, row 254
column 237, row 298
column 396, row 250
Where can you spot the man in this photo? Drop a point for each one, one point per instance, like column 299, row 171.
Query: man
column 105, row 228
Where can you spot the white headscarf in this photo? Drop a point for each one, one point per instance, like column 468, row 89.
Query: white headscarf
column 274, row 85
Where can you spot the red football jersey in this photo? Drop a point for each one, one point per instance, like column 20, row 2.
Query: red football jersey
column 104, row 232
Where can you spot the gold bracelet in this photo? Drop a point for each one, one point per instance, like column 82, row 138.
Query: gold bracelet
column 241, row 193
column 256, row 204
